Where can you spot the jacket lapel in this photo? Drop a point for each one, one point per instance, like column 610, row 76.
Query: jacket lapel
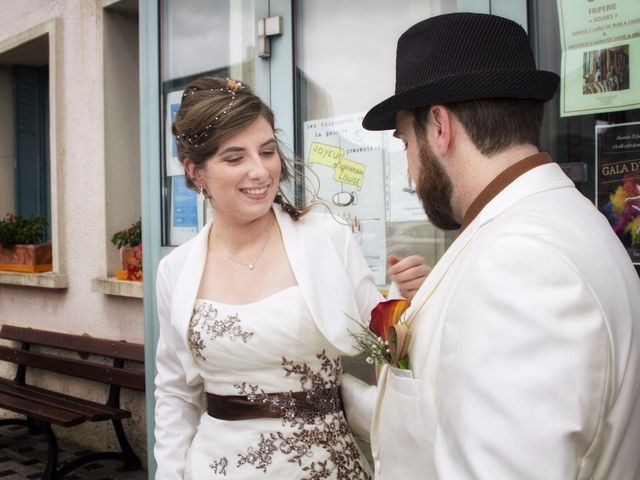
column 322, row 280
column 186, row 289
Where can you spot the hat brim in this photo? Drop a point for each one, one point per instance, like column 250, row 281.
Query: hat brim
column 519, row 84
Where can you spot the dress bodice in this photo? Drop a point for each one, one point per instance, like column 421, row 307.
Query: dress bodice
column 273, row 343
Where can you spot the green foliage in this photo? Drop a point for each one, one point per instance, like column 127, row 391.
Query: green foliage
column 15, row 230
column 129, row 237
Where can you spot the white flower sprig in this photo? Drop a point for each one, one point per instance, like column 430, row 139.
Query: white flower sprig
column 374, row 347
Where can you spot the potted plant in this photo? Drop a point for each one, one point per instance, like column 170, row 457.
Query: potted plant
column 21, row 245
column 129, row 243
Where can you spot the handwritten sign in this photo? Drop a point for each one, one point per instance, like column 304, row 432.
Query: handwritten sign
column 345, row 170
column 325, row 154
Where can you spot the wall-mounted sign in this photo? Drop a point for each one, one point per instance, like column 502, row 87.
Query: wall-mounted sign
column 186, row 212
column 172, row 164
column 618, row 186
column 600, row 56
column 348, row 163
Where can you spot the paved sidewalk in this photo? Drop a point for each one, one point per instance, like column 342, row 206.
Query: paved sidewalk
column 24, row 456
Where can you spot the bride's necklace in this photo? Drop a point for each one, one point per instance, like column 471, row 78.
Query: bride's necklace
column 251, row 265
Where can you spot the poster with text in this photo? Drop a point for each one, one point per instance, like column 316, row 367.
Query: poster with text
column 618, row 181
column 600, row 64
column 348, row 163
column 172, row 164
column 186, row 212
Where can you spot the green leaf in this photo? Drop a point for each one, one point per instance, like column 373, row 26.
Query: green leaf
column 404, row 363
column 128, row 237
column 15, row 230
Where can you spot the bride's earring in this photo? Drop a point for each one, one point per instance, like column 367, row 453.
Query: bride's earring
column 203, row 191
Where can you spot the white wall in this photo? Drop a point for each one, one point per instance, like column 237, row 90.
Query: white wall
column 81, row 198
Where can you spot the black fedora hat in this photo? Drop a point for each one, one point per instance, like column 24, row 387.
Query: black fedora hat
column 458, row 57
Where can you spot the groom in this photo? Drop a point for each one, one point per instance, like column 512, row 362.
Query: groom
column 525, row 337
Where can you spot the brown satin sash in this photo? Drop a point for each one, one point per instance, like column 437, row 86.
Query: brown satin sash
column 274, row 405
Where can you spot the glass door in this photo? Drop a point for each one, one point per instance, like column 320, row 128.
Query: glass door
column 182, row 40
column 344, row 65
column 200, row 37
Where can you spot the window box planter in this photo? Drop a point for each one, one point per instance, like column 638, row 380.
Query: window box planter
column 26, row 258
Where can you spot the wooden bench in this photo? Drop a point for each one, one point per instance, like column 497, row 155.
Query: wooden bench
column 44, row 408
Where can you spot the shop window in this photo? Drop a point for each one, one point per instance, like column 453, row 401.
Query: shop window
column 593, row 97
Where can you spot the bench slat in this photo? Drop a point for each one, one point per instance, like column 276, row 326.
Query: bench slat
column 46, row 413
column 78, row 343
column 92, row 411
column 77, row 368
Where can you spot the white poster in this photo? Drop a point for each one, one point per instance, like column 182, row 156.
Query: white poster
column 349, row 164
column 600, row 56
column 172, row 164
column 187, row 212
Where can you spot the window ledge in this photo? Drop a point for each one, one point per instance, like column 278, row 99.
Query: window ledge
column 39, row 280
column 120, row 288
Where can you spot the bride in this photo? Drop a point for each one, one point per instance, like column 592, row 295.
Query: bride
column 254, row 310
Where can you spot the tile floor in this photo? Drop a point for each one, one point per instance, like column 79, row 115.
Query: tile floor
column 24, row 456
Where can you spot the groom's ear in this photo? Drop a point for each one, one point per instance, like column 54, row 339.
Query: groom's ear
column 439, row 129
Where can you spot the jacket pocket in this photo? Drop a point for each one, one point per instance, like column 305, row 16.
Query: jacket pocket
column 402, row 382
column 407, row 426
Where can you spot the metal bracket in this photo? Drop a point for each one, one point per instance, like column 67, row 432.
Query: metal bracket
column 267, row 27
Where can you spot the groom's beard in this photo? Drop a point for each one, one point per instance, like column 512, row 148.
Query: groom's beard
column 434, row 189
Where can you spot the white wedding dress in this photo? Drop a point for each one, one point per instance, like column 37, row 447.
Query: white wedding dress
column 270, row 346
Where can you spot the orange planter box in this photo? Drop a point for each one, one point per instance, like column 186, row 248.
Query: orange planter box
column 26, row 258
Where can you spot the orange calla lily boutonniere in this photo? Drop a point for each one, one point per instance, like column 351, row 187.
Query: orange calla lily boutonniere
column 387, row 338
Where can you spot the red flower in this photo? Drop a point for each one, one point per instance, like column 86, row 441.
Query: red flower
column 386, row 314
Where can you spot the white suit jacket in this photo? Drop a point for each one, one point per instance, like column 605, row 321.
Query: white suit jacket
column 524, row 352
column 336, row 284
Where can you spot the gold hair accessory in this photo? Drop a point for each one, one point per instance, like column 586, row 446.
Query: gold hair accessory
column 233, row 86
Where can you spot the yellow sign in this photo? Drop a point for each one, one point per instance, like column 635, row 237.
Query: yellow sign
column 346, row 171
column 325, row 154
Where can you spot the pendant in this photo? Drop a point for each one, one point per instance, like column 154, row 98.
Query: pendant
column 250, row 266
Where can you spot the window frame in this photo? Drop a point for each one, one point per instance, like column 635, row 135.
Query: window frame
column 50, row 29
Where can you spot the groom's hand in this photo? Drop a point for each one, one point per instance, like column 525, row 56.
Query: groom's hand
column 408, row 273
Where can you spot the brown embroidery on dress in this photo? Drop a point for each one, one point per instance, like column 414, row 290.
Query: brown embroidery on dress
column 321, row 426
column 220, row 466
column 205, row 322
